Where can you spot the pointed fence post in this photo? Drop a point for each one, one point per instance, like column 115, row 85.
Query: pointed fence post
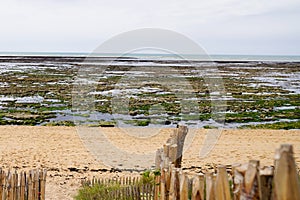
column 222, row 188
column 158, row 158
column 238, row 180
column 22, row 185
column 196, row 188
column 265, row 183
column 174, row 193
column 210, row 184
column 250, row 190
column 43, row 184
column 2, row 178
column 184, row 186
column 173, row 153
column 286, row 178
column 181, row 134
column 157, row 186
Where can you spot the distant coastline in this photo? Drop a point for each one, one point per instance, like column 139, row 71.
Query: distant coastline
column 213, row 57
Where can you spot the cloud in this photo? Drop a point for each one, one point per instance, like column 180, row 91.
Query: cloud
column 80, row 25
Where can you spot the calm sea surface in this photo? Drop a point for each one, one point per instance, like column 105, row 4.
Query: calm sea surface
column 284, row 58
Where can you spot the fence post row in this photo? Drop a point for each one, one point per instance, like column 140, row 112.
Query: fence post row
column 23, row 186
column 242, row 182
column 249, row 181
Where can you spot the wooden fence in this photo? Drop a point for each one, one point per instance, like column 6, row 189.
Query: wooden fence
column 22, row 186
column 173, row 149
column 247, row 181
column 238, row 182
column 126, row 180
column 127, row 188
column 242, row 181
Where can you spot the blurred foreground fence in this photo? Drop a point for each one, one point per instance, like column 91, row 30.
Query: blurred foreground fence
column 237, row 182
column 243, row 181
column 23, row 186
column 123, row 188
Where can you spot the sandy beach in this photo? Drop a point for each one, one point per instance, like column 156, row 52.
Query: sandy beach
column 62, row 152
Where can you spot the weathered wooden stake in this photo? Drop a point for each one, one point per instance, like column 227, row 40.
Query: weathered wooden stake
column 181, row 134
column 158, row 158
column 196, row 189
column 163, row 186
column 173, row 153
column 222, row 188
column 184, row 186
column 286, row 179
column 238, row 180
column 157, row 187
column 251, row 181
column 265, row 183
column 22, row 186
column 210, row 192
column 2, row 178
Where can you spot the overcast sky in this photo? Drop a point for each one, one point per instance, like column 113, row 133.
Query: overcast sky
column 219, row 26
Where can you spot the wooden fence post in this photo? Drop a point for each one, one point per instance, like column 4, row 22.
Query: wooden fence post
column 158, row 158
column 196, row 189
column 43, row 176
column 9, row 186
column 37, row 185
column 251, row 181
column 184, row 186
column 276, row 157
column 172, row 184
column 168, row 173
column 168, row 176
column 265, row 183
column 286, row 179
column 210, row 192
column 15, row 185
column 238, row 180
column 2, row 178
column 181, row 134
column 30, row 185
column 157, row 187
column 163, row 184
column 222, row 188
column 173, row 153
column 22, row 186
column 202, row 185
column 166, row 148
column 173, row 149
column 177, row 184
column 174, row 193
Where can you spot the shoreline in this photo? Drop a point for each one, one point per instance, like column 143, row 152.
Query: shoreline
column 222, row 58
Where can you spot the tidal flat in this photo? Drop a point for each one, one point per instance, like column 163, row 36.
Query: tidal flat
column 37, row 90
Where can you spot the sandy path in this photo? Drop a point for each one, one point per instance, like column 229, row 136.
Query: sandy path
column 59, row 149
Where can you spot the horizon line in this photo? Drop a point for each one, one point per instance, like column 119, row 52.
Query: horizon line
column 90, row 53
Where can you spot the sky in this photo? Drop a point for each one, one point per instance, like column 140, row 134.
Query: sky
column 256, row 27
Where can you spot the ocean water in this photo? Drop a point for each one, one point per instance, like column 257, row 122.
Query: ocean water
column 213, row 57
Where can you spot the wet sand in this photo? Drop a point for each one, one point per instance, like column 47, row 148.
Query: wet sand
column 61, row 151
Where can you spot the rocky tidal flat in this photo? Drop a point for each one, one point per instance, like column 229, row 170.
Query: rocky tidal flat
column 141, row 92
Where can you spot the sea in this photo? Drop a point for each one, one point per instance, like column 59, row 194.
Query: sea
column 213, row 57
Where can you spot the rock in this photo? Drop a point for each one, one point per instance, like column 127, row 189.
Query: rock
column 73, row 169
column 168, row 122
